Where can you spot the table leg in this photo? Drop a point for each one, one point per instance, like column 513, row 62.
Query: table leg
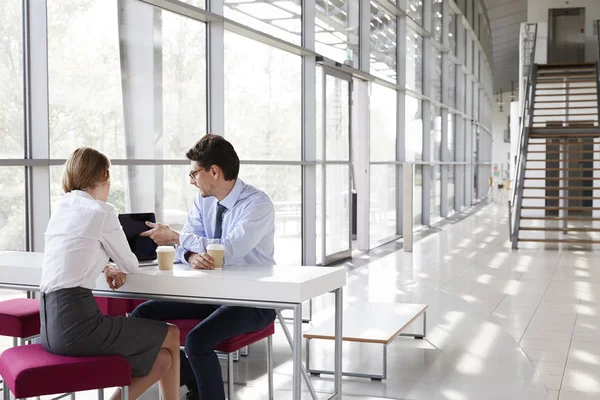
column 297, row 353
column 339, row 304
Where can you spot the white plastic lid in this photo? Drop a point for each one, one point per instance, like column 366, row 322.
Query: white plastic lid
column 215, row 246
column 165, row 249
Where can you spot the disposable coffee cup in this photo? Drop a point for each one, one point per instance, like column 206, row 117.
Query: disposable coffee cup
column 166, row 257
column 216, row 251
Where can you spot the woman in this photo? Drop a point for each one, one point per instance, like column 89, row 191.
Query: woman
column 82, row 234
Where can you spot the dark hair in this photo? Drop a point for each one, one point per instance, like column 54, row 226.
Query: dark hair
column 215, row 150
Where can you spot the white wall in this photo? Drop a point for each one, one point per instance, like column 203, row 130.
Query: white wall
column 500, row 149
column 537, row 11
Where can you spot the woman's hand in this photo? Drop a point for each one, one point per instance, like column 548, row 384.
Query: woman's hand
column 114, row 277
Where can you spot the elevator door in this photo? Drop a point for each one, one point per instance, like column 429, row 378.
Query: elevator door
column 566, row 42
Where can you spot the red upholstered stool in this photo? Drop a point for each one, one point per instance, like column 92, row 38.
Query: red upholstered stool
column 232, row 345
column 31, row 371
column 20, row 319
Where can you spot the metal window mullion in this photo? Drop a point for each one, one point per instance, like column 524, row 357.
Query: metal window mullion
column 215, row 71
column 35, row 59
column 364, row 26
column 400, row 118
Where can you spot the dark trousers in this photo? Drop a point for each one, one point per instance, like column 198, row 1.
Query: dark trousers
column 219, row 323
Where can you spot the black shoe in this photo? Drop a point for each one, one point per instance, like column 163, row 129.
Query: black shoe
column 191, row 395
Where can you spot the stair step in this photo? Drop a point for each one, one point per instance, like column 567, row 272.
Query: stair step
column 562, row 75
column 535, row 115
column 565, row 88
column 566, row 65
column 556, row 188
column 567, row 95
column 559, row 218
column 560, row 198
column 563, row 81
column 564, row 108
column 551, row 178
column 557, row 208
column 561, row 135
column 555, row 160
column 571, row 241
column 560, row 169
column 560, row 151
column 565, row 101
column 531, row 228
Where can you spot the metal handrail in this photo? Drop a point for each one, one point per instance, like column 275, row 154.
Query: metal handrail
column 524, row 123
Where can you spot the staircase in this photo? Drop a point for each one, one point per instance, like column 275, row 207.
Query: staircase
column 557, row 198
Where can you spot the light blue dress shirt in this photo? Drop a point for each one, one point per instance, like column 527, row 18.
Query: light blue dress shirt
column 248, row 228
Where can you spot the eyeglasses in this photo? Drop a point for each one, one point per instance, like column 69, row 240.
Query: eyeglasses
column 192, row 174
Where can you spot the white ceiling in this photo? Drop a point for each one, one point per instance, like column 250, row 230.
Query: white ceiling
column 505, row 19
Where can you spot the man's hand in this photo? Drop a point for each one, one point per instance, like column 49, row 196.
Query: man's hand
column 114, row 277
column 162, row 234
column 201, row 261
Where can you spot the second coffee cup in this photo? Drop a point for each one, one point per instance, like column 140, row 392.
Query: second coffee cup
column 166, row 257
column 216, row 251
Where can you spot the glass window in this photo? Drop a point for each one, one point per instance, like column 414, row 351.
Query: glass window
column 437, row 76
column 11, row 81
column 451, row 84
column 263, row 115
column 88, row 55
column 451, row 189
column 336, row 30
column 450, row 137
column 12, row 212
column 436, row 195
column 414, row 61
column 436, row 133
column 414, row 9
column 282, row 19
column 382, row 202
column 382, row 121
column 383, row 44
column 84, row 78
column 452, row 33
column 436, row 19
column 414, row 129
column 197, row 3
column 418, row 198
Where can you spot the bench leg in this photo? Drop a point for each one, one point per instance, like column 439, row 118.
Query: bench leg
column 125, row 393
column 230, row 376
column 270, row 365
column 244, row 351
column 100, row 394
column 5, row 391
column 72, row 396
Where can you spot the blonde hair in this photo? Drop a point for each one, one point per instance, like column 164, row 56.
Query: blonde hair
column 85, row 168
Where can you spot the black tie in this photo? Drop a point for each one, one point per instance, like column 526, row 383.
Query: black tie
column 219, row 223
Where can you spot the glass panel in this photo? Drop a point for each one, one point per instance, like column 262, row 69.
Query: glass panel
column 451, row 84
column 450, row 137
column 414, row 129
column 84, row 78
column 451, row 189
column 263, row 100
column 452, row 33
column 436, row 133
column 418, row 198
column 11, row 80
column 12, row 212
column 319, row 230
column 414, row 61
column 382, row 202
column 281, row 19
column 197, row 3
column 382, row 121
column 336, row 30
column 436, row 19
column 436, row 195
column 337, row 208
column 319, row 111
column 383, row 44
column 283, row 184
column 414, row 9
column 133, row 190
column 437, row 75
column 184, row 83
column 87, row 53
column 337, row 114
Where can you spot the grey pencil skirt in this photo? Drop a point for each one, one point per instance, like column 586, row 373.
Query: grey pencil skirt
column 72, row 325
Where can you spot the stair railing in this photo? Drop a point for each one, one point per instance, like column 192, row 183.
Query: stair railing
column 529, row 45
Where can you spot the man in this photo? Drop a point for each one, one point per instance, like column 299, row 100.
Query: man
column 242, row 219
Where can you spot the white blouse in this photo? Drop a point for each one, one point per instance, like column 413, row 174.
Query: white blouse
column 82, row 234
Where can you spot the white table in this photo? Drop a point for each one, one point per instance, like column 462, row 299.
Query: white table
column 277, row 287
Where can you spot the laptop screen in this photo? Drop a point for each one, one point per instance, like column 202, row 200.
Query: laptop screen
column 133, row 224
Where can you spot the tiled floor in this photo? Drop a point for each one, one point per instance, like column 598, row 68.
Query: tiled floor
column 484, row 298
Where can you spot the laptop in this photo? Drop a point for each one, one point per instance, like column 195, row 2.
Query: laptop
column 144, row 248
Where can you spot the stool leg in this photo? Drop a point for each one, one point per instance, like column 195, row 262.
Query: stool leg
column 125, row 393
column 270, row 365
column 15, row 342
column 229, row 376
column 100, row 394
column 72, row 396
column 5, row 391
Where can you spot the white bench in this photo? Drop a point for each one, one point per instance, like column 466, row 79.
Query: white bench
column 378, row 323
